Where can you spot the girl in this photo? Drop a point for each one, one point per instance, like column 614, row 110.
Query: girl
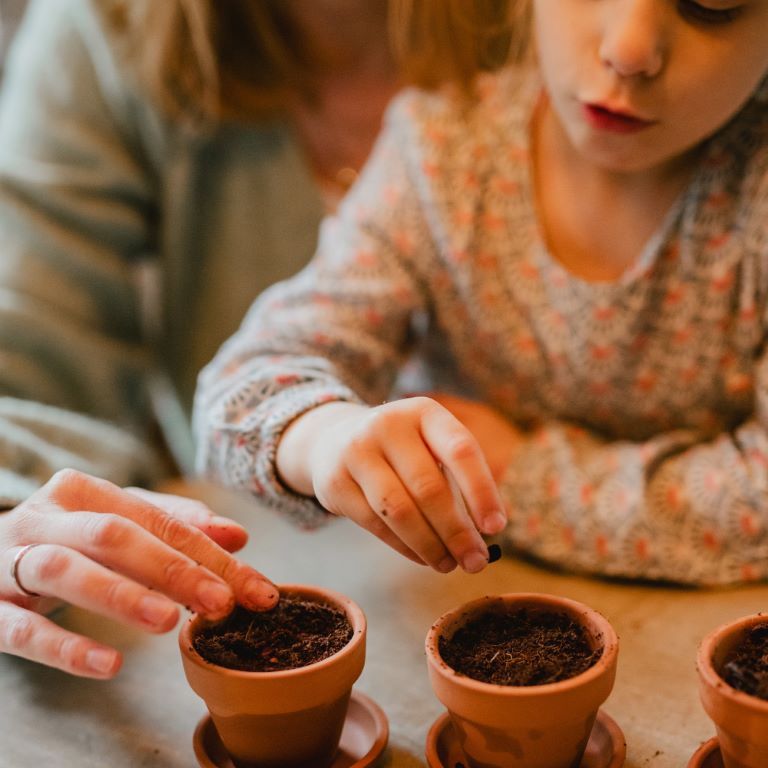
column 589, row 243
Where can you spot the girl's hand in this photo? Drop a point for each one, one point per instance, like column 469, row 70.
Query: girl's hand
column 130, row 555
column 498, row 438
column 407, row 471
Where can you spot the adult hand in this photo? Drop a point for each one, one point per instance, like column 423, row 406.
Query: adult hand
column 395, row 470
column 127, row 554
column 499, row 439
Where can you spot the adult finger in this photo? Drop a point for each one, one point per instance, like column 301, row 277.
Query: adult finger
column 431, row 491
column 453, row 445
column 251, row 588
column 29, row 635
column 56, row 571
column 227, row 533
column 391, row 503
column 127, row 548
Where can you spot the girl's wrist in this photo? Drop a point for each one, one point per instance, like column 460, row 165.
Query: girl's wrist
column 300, row 440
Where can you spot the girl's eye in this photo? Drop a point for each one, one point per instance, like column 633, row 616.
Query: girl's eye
column 706, row 15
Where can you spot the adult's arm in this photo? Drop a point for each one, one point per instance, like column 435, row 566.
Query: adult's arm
column 127, row 554
column 76, row 204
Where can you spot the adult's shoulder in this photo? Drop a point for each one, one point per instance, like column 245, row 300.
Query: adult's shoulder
column 67, row 24
column 70, row 59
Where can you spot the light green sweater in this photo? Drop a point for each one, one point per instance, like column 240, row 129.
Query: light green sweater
column 129, row 250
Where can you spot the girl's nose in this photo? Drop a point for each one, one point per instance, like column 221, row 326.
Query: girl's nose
column 633, row 38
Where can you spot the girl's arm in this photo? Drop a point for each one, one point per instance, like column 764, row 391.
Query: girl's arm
column 291, row 408
column 76, row 199
column 673, row 508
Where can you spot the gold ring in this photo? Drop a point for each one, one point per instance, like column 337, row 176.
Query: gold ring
column 15, row 571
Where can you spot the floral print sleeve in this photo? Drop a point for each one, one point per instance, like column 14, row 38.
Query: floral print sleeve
column 642, row 401
column 338, row 331
column 671, row 508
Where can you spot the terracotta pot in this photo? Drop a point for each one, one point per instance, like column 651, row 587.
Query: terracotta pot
column 541, row 726
column 286, row 719
column 741, row 720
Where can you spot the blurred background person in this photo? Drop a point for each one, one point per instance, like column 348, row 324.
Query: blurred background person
column 160, row 164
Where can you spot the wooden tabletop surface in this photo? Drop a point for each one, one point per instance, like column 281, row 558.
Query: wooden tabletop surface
column 145, row 718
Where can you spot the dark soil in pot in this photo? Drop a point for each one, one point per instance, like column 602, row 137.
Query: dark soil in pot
column 520, row 647
column 294, row 634
column 746, row 665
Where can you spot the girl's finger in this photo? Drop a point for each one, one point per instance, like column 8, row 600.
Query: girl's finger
column 351, row 503
column 453, row 445
column 56, row 571
column 251, row 588
column 227, row 533
column 392, row 504
column 431, row 491
column 31, row 636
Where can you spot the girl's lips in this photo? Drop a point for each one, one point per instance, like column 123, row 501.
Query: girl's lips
column 604, row 119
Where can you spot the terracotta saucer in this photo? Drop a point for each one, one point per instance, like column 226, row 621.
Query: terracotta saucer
column 365, row 734
column 707, row 755
column 606, row 747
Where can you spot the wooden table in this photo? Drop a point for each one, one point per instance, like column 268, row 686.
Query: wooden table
column 145, row 717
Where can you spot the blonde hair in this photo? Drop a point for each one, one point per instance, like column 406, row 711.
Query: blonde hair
column 451, row 41
column 204, row 60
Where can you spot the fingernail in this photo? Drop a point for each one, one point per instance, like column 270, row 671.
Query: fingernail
column 260, row 593
column 495, row 522
column 100, row 660
column 214, row 597
column 474, row 562
column 156, row 610
column 446, row 565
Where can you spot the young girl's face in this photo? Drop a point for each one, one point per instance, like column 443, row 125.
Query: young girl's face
column 637, row 83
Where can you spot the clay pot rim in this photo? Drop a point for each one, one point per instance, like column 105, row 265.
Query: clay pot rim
column 604, row 629
column 710, row 677
column 353, row 611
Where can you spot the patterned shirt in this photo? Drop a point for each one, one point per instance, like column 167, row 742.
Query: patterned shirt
column 644, row 401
